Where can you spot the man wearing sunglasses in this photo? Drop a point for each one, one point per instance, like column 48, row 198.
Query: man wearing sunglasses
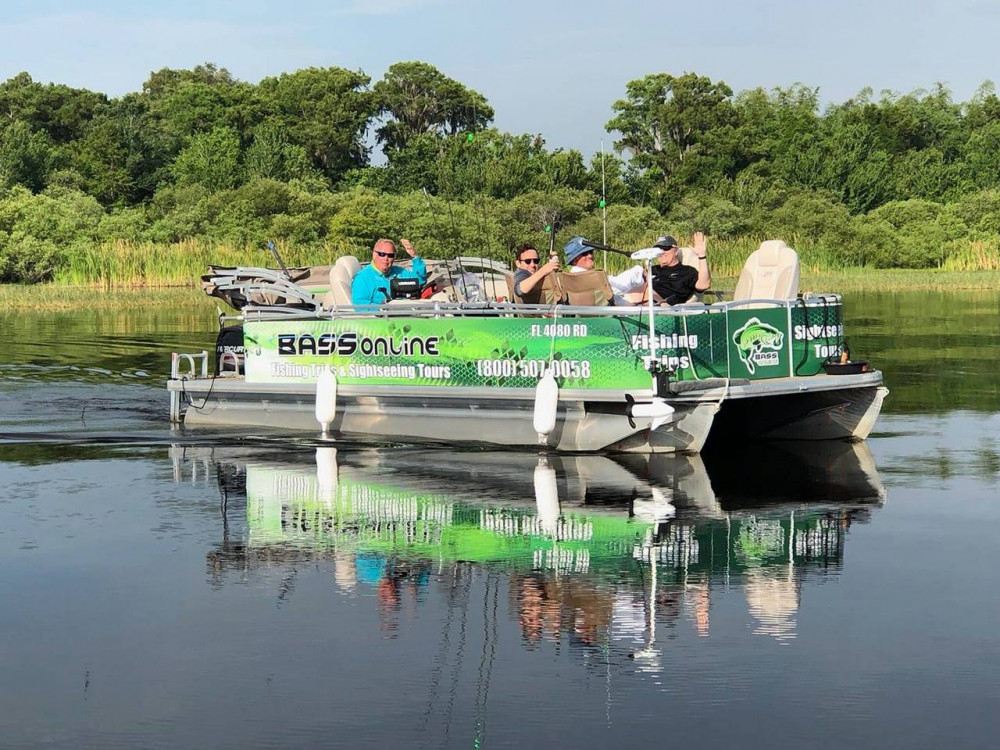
column 373, row 284
column 530, row 269
column 675, row 282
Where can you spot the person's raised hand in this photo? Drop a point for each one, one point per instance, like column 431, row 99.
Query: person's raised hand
column 700, row 244
column 408, row 247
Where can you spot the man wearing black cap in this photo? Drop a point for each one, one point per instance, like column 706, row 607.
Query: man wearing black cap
column 672, row 280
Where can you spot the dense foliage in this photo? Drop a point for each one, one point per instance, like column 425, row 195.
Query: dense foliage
column 895, row 181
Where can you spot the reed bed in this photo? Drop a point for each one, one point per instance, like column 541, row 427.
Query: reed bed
column 127, row 264
column 898, row 280
column 62, row 297
column 126, row 272
column 976, row 255
column 65, row 297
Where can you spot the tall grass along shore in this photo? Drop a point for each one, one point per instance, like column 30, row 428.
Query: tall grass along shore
column 184, row 292
column 121, row 264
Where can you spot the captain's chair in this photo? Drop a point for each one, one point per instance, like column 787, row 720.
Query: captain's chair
column 352, row 264
column 341, row 276
column 771, row 272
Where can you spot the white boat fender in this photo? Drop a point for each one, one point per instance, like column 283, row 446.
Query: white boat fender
column 658, row 508
column 326, row 399
column 658, row 411
column 546, row 404
column 547, row 497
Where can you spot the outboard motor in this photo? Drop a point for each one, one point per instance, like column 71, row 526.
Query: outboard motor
column 230, row 344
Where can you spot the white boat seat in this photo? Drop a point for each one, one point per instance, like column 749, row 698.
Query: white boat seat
column 352, row 264
column 771, row 272
column 690, row 258
column 341, row 277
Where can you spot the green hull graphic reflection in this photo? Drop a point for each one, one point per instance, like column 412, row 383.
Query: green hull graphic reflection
column 575, row 514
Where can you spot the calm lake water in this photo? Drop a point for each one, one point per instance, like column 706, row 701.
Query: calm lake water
column 193, row 589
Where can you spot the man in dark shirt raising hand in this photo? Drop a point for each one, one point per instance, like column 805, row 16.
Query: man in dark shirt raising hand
column 673, row 281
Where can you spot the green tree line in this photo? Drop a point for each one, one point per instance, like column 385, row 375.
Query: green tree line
column 889, row 181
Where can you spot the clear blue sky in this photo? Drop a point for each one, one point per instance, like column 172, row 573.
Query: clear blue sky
column 552, row 68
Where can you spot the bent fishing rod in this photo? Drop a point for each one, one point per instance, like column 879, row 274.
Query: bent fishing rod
column 606, row 248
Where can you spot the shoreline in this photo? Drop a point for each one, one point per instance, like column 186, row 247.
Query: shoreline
column 56, row 297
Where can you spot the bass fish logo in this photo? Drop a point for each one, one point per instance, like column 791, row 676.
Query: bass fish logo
column 758, row 344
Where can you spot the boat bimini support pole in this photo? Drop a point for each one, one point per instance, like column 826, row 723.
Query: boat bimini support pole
column 658, row 411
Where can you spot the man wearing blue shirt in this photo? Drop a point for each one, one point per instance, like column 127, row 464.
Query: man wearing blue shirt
column 373, row 284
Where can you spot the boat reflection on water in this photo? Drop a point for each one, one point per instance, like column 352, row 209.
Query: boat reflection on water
column 600, row 550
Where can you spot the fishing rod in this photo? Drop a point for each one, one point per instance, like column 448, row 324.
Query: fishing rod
column 551, row 228
column 478, row 191
column 604, row 208
column 281, row 263
column 605, row 248
column 484, row 245
column 453, row 237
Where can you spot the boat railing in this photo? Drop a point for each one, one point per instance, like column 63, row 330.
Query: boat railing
column 744, row 303
column 177, row 360
column 263, row 293
column 234, row 360
column 437, row 309
column 466, row 261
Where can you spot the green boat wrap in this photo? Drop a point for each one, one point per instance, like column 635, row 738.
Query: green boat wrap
column 607, row 352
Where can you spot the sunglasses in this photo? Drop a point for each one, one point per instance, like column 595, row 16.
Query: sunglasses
column 588, row 254
column 532, row 261
column 385, row 255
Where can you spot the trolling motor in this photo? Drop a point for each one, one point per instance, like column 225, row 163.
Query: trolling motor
column 661, row 377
